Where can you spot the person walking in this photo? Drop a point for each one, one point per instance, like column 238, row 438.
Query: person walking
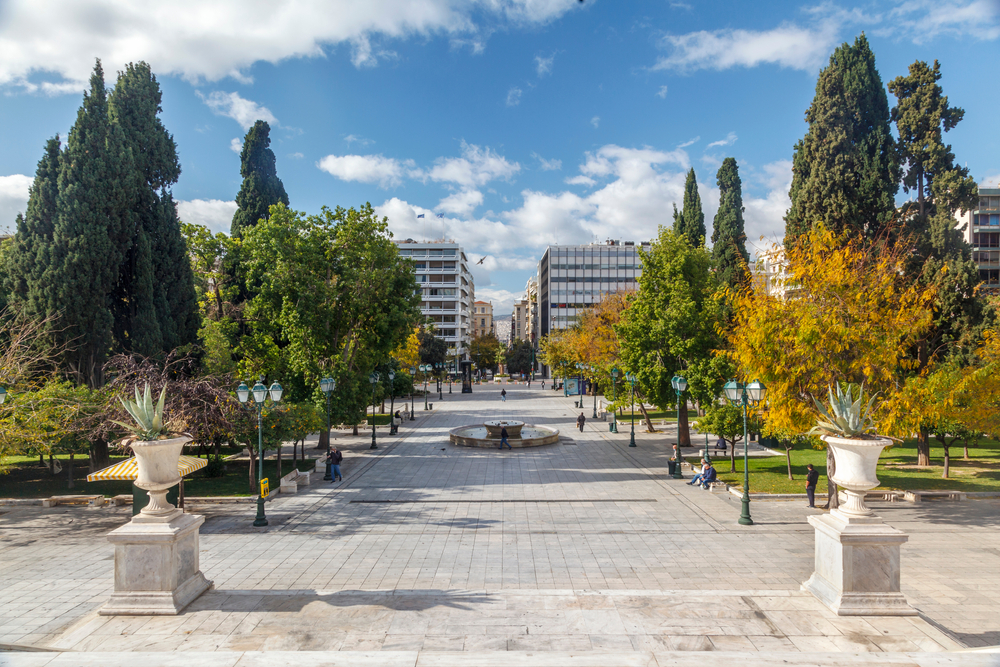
column 812, row 477
column 336, row 457
column 503, row 395
column 503, row 438
column 580, row 421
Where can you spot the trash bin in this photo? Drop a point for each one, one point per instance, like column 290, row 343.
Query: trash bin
column 671, row 467
column 431, row 406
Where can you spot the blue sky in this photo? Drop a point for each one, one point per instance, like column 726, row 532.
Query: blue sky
column 521, row 122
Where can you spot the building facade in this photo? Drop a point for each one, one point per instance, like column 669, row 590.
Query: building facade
column 519, row 322
column 482, row 318
column 447, row 290
column 982, row 231
column 501, row 328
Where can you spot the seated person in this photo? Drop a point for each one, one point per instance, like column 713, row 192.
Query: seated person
column 720, row 444
column 700, row 476
column 710, row 475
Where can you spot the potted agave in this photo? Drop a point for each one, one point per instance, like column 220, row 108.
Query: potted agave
column 848, row 430
column 157, row 451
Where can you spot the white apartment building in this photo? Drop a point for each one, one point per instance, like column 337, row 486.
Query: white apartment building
column 982, row 231
column 447, row 290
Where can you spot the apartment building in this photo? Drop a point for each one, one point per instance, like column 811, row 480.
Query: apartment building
column 482, row 318
column 982, row 231
column 447, row 290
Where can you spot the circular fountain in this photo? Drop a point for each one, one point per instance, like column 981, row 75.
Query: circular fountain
column 519, row 434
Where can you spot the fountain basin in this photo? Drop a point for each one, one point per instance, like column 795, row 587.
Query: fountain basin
column 478, row 435
column 494, row 425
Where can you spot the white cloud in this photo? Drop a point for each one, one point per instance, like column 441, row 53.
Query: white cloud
column 513, row 96
column 689, row 142
column 787, row 45
column 215, row 214
column 201, row 40
column 13, row 199
column 923, row 20
column 476, row 167
column 236, row 145
column 387, row 172
column 296, row 156
column 543, row 65
column 595, row 121
column 503, row 300
column 461, row 203
column 547, row 165
column 662, row 92
column 990, row 181
column 765, row 216
column 243, row 111
column 581, row 180
column 728, row 141
column 353, row 138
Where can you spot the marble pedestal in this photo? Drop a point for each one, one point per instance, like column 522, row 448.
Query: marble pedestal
column 857, row 566
column 157, row 570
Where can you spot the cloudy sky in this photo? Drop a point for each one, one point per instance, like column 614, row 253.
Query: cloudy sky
column 509, row 124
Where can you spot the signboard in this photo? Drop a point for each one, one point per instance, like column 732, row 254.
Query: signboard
column 265, row 488
column 572, row 386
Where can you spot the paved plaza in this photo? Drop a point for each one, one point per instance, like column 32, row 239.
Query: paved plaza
column 580, row 553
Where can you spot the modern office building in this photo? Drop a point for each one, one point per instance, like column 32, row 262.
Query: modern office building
column 482, row 318
column 982, row 231
column 447, row 290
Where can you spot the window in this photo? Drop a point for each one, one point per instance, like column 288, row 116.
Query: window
column 482, row 322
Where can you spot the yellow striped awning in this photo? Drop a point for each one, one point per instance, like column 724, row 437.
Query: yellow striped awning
column 129, row 469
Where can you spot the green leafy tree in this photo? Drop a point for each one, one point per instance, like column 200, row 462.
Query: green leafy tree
column 484, row 350
column 726, row 421
column 261, row 187
column 670, row 323
column 845, row 171
column 518, row 357
column 942, row 257
column 729, row 250
column 433, row 350
column 690, row 222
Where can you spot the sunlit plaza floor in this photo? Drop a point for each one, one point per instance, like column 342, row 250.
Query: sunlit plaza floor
column 584, row 552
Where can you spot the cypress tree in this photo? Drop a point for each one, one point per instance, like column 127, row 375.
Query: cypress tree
column 729, row 249
column 261, row 187
column 690, row 222
column 155, row 297
column 845, row 171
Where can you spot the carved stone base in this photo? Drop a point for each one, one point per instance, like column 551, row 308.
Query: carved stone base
column 857, row 566
column 157, row 569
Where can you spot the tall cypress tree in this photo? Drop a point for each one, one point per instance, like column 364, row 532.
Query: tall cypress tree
column 261, row 187
column 729, row 250
column 155, row 297
column 845, row 171
column 690, row 222
column 92, row 234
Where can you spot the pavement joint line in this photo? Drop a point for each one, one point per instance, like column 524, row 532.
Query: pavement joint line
column 515, row 500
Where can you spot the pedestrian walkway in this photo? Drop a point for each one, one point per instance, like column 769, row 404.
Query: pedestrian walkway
column 585, row 552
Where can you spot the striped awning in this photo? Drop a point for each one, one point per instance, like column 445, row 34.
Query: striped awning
column 129, row 469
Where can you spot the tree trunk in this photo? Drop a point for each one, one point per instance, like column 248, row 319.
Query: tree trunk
column 924, row 447
column 295, row 454
column 355, row 431
column 732, row 456
column 52, row 465
column 279, row 460
column 947, row 461
column 69, row 471
column 788, row 460
column 683, row 426
column 645, row 416
column 832, row 501
column 324, row 439
column 99, row 454
column 966, row 456
column 253, row 477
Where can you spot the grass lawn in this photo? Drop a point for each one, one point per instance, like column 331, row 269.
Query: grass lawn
column 897, row 469
column 23, row 477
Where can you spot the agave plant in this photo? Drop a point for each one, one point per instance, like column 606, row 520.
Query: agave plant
column 847, row 420
column 148, row 418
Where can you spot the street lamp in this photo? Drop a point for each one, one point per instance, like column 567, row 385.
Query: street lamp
column 439, row 367
column 680, row 385
column 327, row 386
column 373, row 378
column 614, row 393
column 592, row 369
column 425, row 369
column 631, row 382
column 745, row 395
column 260, row 393
column 392, row 403
column 413, row 372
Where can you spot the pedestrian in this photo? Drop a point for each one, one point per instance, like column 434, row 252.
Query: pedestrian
column 335, row 459
column 812, row 477
column 503, row 438
column 503, row 395
column 580, row 421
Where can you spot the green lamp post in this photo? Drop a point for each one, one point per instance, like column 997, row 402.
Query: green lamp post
column 424, row 370
column 614, row 393
column 631, row 382
column 745, row 395
column 680, row 385
column 413, row 372
column 373, row 378
column 327, row 386
column 260, row 393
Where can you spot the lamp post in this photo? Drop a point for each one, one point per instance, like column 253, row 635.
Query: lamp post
column 680, row 385
column 373, row 378
column 631, row 383
column 591, row 369
column 327, row 386
column 439, row 367
column 393, row 429
column 413, row 372
column 745, row 395
column 425, row 369
column 614, row 392
column 260, row 393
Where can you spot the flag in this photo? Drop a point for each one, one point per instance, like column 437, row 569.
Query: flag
column 421, row 215
column 440, row 215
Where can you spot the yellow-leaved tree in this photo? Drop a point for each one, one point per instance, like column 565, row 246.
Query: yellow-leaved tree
column 837, row 311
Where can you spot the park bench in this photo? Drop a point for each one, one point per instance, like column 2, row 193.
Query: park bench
column 90, row 501
column 920, row 496
column 716, row 487
column 290, row 483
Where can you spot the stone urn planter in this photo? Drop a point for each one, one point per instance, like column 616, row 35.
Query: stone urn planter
column 157, row 463
column 856, row 460
column 494, row 426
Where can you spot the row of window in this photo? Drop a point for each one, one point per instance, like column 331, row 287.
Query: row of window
column 593, row 279
column 986, row 220
column 444, row 252
column 431, row 278
column 440, row 291
column 623, row 263
column 986, row 240
column 444, row 266
column 989, row 203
